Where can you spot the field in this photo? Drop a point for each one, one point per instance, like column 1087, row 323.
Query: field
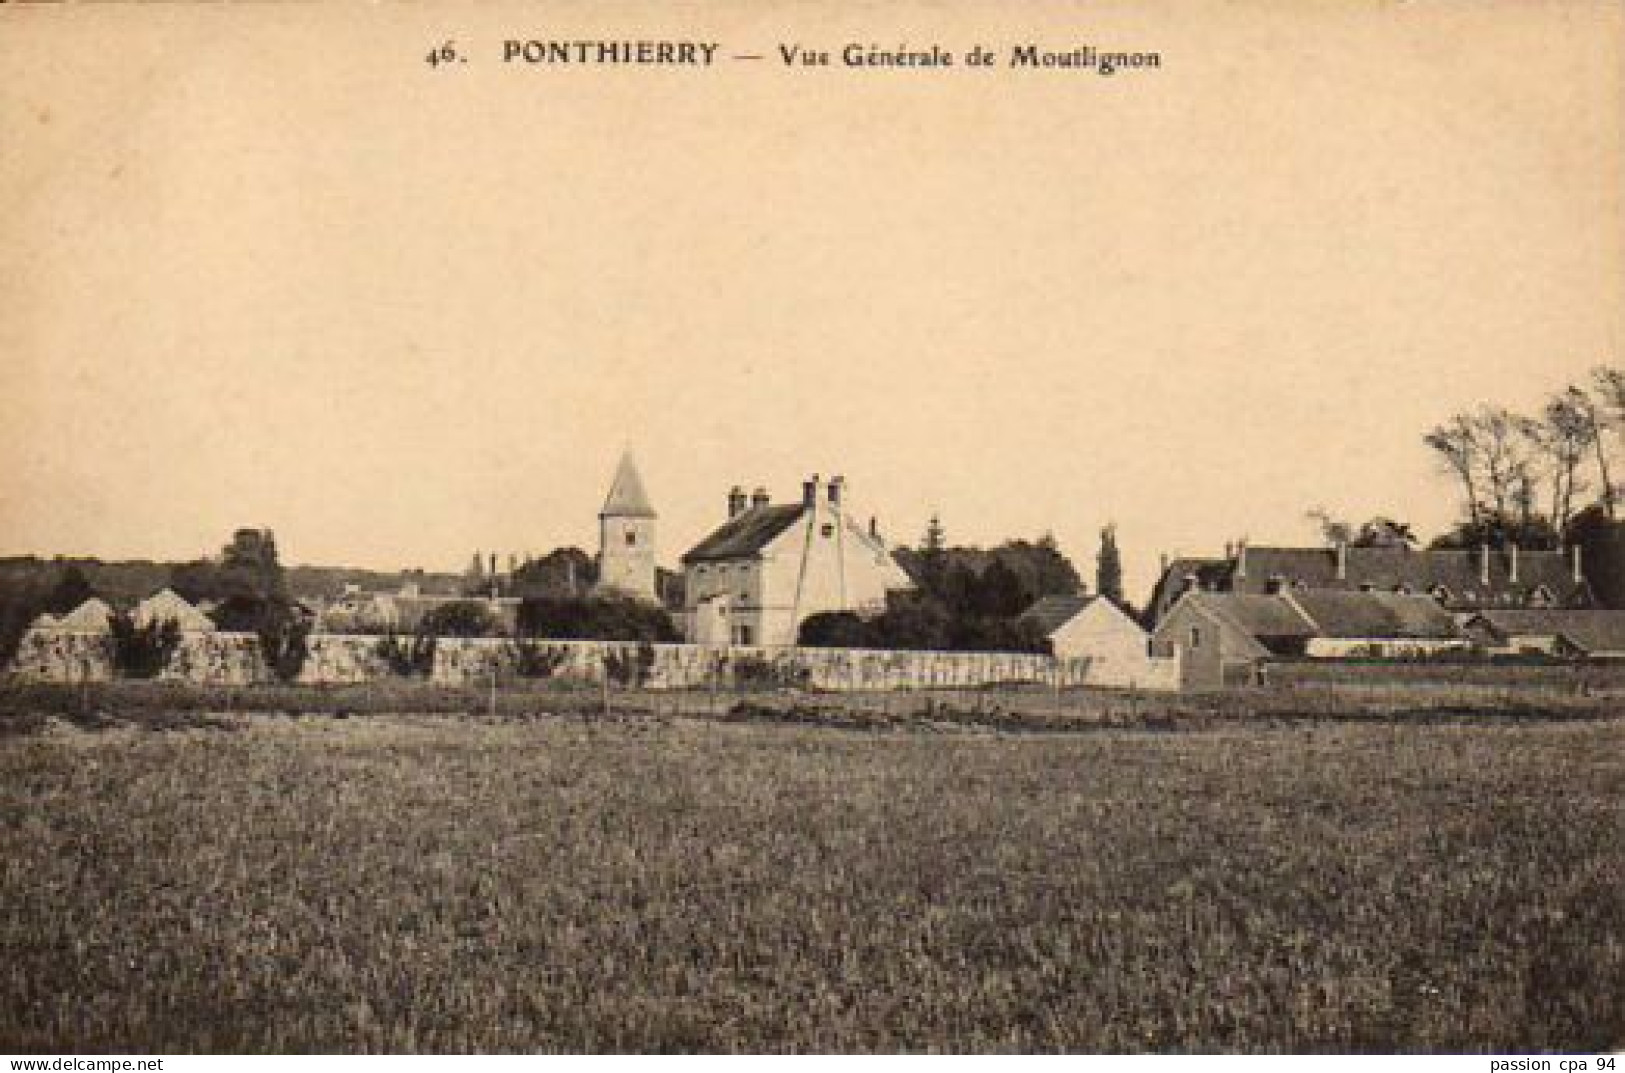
column 190, row 881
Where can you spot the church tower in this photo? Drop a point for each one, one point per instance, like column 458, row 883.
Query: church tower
column 626, row 536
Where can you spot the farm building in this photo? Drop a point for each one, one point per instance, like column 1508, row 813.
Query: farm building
column 1223, row 635
column 1094, row 628
column 1584, row 634
column 764, row 571
column 1462, row 580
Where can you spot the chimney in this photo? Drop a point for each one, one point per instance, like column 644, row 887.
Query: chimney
column 1241, row 559
column 758, row 498
column 809, row 491
column 1512, row 567
column 874, row 527
column 1162, row 564
column 736, row 501
column 1574, row 557
column 1484, row 564
column 1229, row 550
column 1342, row 560
column 837, row 484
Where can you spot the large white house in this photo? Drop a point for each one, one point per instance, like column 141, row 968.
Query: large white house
column 770, row 566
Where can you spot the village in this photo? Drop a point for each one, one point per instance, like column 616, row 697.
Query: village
column 798, row 592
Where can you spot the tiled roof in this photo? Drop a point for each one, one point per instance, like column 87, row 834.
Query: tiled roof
column 1459, row 573
column 745, row 536
column 1377, row 615
column 627, row 498
column 1259, row 616
column 1050, row 613
column 1589, row 631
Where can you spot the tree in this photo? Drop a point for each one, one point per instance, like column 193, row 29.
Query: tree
column 836, row 629
column 142, row 650
column 1109, row 567
column 1608, row 413
column 597, row 618
column 282, row 626
column 1561, row 437
column 998, row 593
column 561, row 572
column 70, row 590
column 933, row 557
column 248, row 566
column 1456, row 441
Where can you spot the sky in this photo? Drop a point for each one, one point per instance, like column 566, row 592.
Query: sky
column 264, row 266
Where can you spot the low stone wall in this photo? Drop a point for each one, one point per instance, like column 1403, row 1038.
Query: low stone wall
column 62, row 656
column 223, row 659
column 697, row 667
column 234, row 658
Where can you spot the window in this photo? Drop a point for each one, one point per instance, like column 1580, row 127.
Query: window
column 631, row 538
column 827, row 529
column 742, row 635
column 1196, row 637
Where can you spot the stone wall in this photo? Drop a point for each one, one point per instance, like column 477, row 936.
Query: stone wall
column 234, row 658
column 225, row 659
column 63, row 656
column 698, row 667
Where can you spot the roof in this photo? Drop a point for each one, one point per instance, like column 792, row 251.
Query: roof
column 745, row 535
column 1460, row 573
column 1050, row 613
column 627, row 498
column 1377, row 615
column 1259, row 616
column 165, row 604
column 92, row 616
column 1589, row 631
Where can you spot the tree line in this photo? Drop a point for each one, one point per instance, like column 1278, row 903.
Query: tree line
column 1528, row 477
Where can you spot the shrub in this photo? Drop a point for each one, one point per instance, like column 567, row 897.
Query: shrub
column 460, row 618
column 629, row 666
column 408, row 657
column 532, row 660
column 142, row 650
column 599, row 618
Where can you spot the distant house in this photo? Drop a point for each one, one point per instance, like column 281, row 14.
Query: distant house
column 1087, row 626
column 1589, row 634
column 1223, row 635
column 360, row 611
column 1463, row 581
column 765, row 570
column 1096, row 629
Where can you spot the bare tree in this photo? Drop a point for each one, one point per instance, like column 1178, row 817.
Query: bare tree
column 1457, row 443
column 1561, row 437
column 1607, row 413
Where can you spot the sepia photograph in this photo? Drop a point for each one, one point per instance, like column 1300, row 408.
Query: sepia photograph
column 780, row 528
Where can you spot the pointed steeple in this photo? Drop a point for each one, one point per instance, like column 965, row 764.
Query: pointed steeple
column 626, row 498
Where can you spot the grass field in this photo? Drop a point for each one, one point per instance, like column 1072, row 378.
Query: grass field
column 434, row 882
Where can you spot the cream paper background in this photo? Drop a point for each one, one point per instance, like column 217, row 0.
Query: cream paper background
column 262, row 265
